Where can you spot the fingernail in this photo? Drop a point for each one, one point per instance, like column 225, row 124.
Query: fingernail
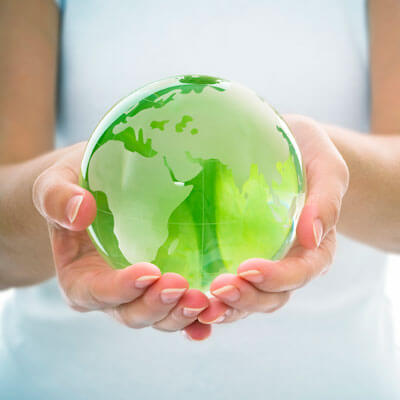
column 73, row 208
column 145, row 280
column 218, row 320
column 169, row 296
column 318, row 230
column 190, row 312
column 252, row 275
column 228, row 293
column 186, row 336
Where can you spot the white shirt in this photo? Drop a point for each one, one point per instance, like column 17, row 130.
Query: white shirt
column 334, row 338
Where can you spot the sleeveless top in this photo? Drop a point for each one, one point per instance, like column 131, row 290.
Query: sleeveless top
column 334, row 339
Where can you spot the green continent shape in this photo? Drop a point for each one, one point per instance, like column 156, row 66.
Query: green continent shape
column 204, row 212
column 224, row 134
column 146, row 228
column 192, row 247
column 158, row 124
column 180, row 126
column 102, row 229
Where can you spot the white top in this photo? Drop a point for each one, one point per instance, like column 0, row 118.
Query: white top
column 334, row 339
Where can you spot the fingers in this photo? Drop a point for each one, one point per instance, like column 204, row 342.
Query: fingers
column 90, row 284
column 294, row 271
column 60, row 200
column 155, row 304
column 215, row 313
column 218, row 312
column 241, row 295
column 197, row 331
column 327, row 181
column 192, row 303
column 264, row 285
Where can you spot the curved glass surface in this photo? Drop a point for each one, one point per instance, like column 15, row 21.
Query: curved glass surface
column 194, row 174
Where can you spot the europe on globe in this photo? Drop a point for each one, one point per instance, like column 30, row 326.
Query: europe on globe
column 194, row 174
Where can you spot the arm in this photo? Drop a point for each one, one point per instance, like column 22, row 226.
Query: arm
column 371, row 207
column 28, row 58
column 43, row 210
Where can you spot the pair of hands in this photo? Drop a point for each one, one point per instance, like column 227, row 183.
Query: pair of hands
column 139, row 296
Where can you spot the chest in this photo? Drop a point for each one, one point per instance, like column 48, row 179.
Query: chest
column 303, row 57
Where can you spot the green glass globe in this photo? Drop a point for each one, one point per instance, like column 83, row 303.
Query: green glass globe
column 195, row 174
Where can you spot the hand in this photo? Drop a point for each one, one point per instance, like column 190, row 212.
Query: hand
column 264, row 285
column 137, row 296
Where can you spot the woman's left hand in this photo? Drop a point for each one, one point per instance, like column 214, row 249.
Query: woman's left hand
column 264, row 285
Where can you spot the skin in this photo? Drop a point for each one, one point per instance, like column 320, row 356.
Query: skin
column 44, row 213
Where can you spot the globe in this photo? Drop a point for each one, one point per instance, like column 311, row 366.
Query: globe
column 194, row 174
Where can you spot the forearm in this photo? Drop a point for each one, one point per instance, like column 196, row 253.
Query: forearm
column 25, row 254
column 28, row 65
column 371, row 207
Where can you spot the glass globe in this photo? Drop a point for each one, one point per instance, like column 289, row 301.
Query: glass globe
column 194, row 174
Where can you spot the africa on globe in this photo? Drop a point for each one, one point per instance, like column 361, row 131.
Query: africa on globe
column 194, row 174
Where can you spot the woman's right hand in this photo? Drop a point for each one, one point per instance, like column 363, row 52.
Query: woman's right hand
column 137, row 296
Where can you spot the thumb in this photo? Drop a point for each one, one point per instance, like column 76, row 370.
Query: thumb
column 327, row 179
column 61, row 201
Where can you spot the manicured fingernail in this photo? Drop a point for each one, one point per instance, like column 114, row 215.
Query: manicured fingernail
column 145, row 280
column 318, row 230
column 228, row 293
column 73, row 208
column 169, row 296
column 216, row 320
column 252, row 275
column 186, row 336
column 219, row 319
column 190, row 312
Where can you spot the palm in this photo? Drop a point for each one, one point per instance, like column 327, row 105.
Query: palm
column 263, row 285
column 138, row 295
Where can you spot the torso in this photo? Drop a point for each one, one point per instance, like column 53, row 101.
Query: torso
column 333, row 340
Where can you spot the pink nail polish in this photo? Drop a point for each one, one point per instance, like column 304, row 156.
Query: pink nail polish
column 73, row 206
column 252, row 275
column 145, row 280
column 190, row 312
column 219, row 319
column 229, row 293
column 169, row 296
